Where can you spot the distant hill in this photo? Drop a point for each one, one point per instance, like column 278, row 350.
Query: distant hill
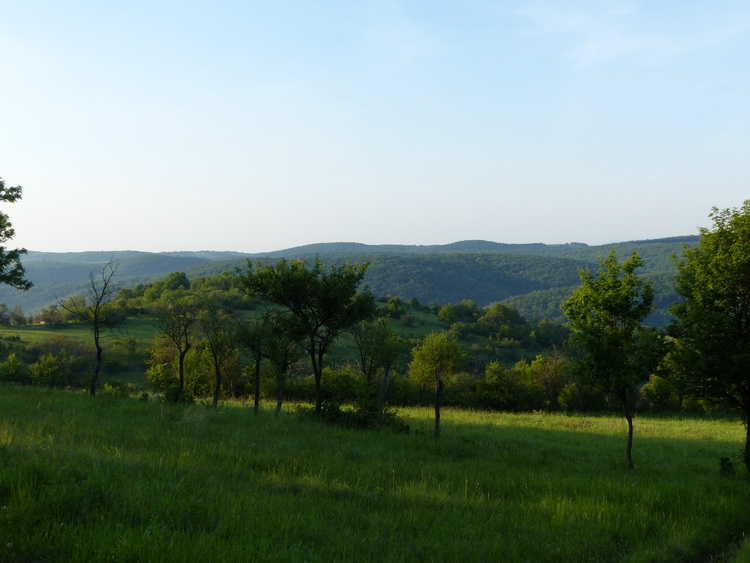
column 534, row 278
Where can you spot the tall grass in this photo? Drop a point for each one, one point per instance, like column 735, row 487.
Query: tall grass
column 114, row 478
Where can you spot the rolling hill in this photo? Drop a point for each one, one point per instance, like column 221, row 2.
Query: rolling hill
column 531, row 277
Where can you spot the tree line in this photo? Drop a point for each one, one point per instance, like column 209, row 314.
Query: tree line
column 219, row 336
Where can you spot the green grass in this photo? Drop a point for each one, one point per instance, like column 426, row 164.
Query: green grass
column 113, row 478
column 138, row 328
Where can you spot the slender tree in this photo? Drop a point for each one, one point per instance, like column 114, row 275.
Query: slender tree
column 176, row 318
column 325, row 302
column 617, row 351
column 710, row 353
column 253, row 335
column 436, row 357
column 98, row 309
column 217, row 329
column 12, row 272
column 282, row 347
column 378, row 348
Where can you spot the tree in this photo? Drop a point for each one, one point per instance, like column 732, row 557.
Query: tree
column 379, row 348
column 12, row 272
column 325, row 302
column 437, row 356
column 176, row 319
column 711, row 350
column 282, row 346
column 605, row 313
column 252, row 335
column 97, row 309
column 217, row 331
column 551, row 372
column 17, row 316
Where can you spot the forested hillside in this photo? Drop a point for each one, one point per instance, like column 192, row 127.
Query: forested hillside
column 533, row 278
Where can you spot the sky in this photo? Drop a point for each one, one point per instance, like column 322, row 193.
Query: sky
column 260, row 125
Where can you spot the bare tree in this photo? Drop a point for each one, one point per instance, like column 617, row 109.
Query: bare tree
column 96, row 308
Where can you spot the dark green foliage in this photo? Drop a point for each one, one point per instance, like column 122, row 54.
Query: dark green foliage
column 12, row 272
column 324, row 302
column 535, row 278
column 176, row 395
column 710, row 355
column 357, row 418
column 606, row 313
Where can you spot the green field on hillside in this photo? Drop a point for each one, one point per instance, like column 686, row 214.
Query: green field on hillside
column 118, row 478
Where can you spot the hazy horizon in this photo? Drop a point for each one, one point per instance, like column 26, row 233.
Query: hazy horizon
column 257, row 126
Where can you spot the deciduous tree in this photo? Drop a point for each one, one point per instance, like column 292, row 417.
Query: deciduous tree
column 325, row 302
column 606, row 313
column 12, row 271
column 175, row 318
column 252, row 335
column 437, row 356
column 379, row 348
column 711, row 353
column 97, row 309
column 217, row 330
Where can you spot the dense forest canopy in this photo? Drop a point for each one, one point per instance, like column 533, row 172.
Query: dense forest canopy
column 533, row 278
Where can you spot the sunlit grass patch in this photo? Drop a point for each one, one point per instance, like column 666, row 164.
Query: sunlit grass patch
column 94, row 478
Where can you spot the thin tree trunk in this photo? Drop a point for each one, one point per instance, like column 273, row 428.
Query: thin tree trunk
column 256, row 404
column 383, row 390
column 182, row 369
column 280, row 395
column 747, row 445
column 217, row 387
column 317, row 364
column 629, row 449
column 438, row 400
column 97, row 364
column 97, row 368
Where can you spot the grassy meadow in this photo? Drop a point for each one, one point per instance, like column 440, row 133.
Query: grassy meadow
column 117, row 478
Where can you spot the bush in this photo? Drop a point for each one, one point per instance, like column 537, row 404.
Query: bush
column 581, row 398
column 178, row 396
column 119, row 388
column 59, row 370
column 660, row 394
column 13, row 370
column 356, row 418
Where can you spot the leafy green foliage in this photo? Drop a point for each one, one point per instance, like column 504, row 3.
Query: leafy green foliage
column 324, row 303
column 711, row 354
column 605, row 313
column 12, row 272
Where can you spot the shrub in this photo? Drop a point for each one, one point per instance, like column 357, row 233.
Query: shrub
column 175, row 395
column 13, row 370
column 581, row 398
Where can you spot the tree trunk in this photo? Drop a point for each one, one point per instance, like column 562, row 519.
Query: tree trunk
column 280, row 395
column 747, row 445
column 438, row 400
column 317, row 364
column 629, row 449
column 217, row 387
column 383, row 391
column 256, row 404
column 182, row 369
column 97, row 367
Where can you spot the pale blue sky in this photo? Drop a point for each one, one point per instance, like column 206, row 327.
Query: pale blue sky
column 260, row 125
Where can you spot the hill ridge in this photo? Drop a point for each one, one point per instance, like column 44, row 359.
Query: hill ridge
column 531, row 276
